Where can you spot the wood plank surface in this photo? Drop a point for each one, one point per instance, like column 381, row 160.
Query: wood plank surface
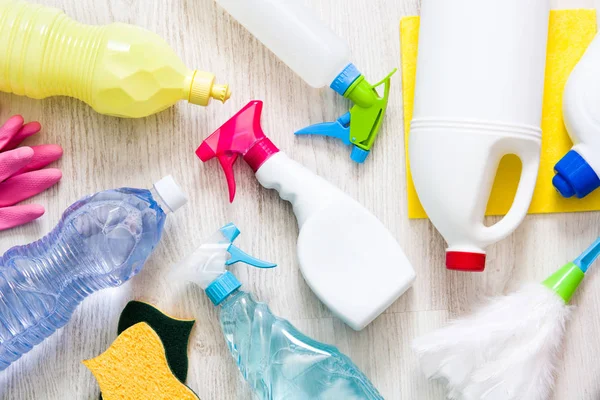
column 103, row 152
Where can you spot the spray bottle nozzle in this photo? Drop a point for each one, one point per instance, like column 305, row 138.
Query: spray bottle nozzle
column 207, row 266
column 240, row 135
column 227, row 283
column 360, row 126
column 231, row 232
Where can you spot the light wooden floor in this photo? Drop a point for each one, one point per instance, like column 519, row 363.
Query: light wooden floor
column 103, row 152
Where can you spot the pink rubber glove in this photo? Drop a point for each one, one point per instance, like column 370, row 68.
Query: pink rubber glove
column 21, row 173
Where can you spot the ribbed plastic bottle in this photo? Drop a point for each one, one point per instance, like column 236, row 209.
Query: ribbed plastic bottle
column 118, row 69
column 101, row 241
column 277, row 360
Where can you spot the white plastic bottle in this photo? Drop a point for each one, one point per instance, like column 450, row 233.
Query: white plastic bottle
column 478, row 97
column 295, row 35
column 577, row 172
column 348, row 258
column 320, row 57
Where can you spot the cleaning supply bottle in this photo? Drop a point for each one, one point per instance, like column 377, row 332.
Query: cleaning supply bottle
column 321, row 58
column 118, row 69
column 348, row 258
column 577, row 172
column 101, row 241
column 277, row 360
column 478, row 97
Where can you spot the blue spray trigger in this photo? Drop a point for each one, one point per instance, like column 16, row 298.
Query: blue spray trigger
column 586, row 258
column 339, row 129
column 238, row 255
column 231, row 232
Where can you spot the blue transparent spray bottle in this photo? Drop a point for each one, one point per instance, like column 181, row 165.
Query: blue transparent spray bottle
column 277, row 360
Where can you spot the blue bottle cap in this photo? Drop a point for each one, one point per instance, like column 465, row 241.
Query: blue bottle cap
column 574, row 176
column 222, row 287
column 342, row 82
column 358, row 155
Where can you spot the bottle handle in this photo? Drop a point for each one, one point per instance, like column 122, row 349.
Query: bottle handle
column 530, row 160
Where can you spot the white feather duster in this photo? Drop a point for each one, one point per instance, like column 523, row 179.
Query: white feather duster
column 507, row 350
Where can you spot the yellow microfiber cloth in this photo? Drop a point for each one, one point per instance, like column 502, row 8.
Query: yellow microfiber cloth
column 135, row 367
column 570, row 32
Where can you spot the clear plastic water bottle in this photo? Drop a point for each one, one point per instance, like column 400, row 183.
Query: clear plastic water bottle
column 101, row 241
column 277, row 360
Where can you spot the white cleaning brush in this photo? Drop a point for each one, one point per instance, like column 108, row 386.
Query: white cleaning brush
column 509, row 348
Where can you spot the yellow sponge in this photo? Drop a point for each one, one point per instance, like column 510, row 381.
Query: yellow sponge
column 569, row 34
column 135, row 367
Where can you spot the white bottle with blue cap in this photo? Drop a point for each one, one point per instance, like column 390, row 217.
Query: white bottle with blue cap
column 577, row 172
column 277, row 360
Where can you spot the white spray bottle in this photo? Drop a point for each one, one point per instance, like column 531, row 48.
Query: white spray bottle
column 478, row 97
column 348, row 258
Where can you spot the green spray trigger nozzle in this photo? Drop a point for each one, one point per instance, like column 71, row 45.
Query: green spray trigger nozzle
column 360, row 126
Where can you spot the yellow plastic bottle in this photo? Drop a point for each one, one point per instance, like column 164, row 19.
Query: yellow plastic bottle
column 118, row 69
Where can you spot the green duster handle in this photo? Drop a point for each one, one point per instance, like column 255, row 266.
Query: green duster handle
column 566, row 280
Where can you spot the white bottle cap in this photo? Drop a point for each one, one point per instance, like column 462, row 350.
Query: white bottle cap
column 170, row 193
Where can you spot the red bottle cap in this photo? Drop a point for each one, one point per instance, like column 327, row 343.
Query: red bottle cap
column 465, row 261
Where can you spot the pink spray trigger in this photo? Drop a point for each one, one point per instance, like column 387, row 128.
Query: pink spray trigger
column 227, row 165
column 240, row 135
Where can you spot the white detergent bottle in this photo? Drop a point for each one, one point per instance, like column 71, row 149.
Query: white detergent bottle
column 478, row 97
column 348, row 258
column 577, row 172
column 313, row 51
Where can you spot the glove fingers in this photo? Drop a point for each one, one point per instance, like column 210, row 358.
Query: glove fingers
column 10, row 129
column 14, row 161
column 29, row 129
column 42, row 156
column 23, row 186
column 19, row 215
